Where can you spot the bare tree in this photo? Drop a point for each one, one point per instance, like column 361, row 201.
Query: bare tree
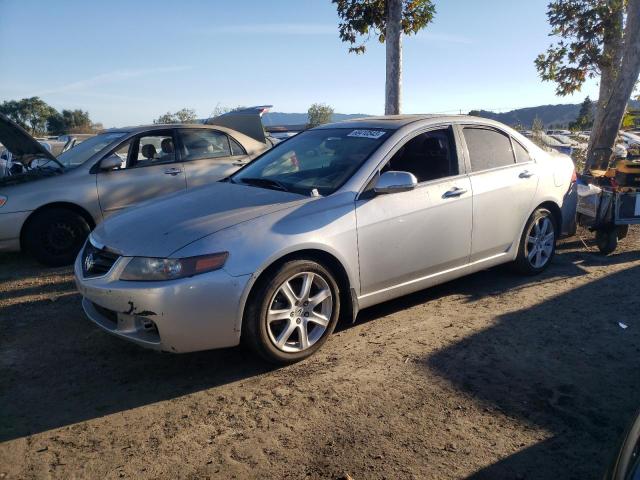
column 388, row 20
column 393, row 34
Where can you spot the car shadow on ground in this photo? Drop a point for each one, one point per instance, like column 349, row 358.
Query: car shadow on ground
column 57, row 369
column 565, row 366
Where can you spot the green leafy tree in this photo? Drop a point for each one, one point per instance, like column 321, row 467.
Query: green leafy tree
column 55, row 124
column 30, row 113
column 387, row 20
column 166, row 118
column 185, row 115
column 585, row 117
column 597, row 39
column 39, row 118
column 71, row 121
column 318, row 114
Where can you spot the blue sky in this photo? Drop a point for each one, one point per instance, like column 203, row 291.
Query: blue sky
column 128, row 62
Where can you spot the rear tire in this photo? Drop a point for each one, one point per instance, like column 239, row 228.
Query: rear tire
column 291, row 312
column 623, row 231
column 55, row 236
column 607, row 240
column 538, row 243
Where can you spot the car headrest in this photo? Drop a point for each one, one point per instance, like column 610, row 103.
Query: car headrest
column 199, row 145
column 434, row 146
column 167, row 145
column 337, row 145
column 149, row 151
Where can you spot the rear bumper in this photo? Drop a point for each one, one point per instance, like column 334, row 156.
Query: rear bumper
column 185, row 315
column 10, row 228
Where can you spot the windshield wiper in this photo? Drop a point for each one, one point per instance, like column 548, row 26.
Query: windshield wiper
column 265, row 182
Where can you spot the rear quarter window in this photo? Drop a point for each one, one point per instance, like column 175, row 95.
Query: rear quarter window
column 522, row 155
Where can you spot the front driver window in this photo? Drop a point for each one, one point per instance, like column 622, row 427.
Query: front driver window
column 429, row 156
column 154, row 149
column 146, row 150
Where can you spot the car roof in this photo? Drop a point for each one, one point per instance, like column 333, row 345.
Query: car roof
column 155, row 126
column 395, row 122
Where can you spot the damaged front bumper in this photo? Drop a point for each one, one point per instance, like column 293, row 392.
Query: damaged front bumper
column 184, row 315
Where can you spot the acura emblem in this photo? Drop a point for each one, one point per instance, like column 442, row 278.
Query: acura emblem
column 89, row 262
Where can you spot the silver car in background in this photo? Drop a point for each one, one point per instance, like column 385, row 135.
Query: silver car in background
column 335, row 219
column 49, row 205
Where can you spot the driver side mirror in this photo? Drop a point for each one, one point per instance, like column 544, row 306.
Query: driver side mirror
column 394, row 182
column 110, row 163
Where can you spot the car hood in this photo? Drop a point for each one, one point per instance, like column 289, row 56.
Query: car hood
column 160, row 227
column 22, row 145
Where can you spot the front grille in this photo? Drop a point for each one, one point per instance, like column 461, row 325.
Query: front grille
column 96, row 261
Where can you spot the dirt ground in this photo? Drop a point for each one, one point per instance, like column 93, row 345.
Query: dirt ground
column 491, row 376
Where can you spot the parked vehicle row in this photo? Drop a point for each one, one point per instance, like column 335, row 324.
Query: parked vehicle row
column 337, row 218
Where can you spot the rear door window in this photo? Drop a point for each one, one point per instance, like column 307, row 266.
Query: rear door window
column 488, row 148
column 204, row 143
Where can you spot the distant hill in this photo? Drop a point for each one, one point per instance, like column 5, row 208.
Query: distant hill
column 559, row 115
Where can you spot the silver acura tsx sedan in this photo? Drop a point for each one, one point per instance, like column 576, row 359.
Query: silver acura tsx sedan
column 335, row 219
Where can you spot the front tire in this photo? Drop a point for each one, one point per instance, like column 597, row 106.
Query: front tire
column 537, row 244
column 292, row 312
column 55, row 236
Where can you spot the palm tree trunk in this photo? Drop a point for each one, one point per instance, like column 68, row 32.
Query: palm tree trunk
column 393, row 41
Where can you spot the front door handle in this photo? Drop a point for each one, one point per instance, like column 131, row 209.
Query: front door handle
column 454, row 192
column 526, row 174
column 172, row 171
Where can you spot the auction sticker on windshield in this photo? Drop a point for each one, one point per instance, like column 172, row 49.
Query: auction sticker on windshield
column 366, row 134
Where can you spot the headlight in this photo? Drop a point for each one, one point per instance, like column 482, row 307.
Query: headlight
column 157, row 269
column 3, row 200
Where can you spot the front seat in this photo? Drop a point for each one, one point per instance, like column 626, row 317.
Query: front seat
column 437, row 158
column 149, row 152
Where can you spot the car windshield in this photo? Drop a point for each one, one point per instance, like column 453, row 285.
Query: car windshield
column 313, row 162
column 82, row 152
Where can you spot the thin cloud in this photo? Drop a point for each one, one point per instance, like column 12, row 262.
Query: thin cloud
column 275, row 28
column 111, row 77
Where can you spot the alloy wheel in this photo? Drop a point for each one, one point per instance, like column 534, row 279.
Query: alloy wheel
column 299, row 312
column 540, row 242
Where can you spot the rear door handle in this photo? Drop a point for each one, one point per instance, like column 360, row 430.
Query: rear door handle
column 172, row 171
column 526, row 174
column 454, row 192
